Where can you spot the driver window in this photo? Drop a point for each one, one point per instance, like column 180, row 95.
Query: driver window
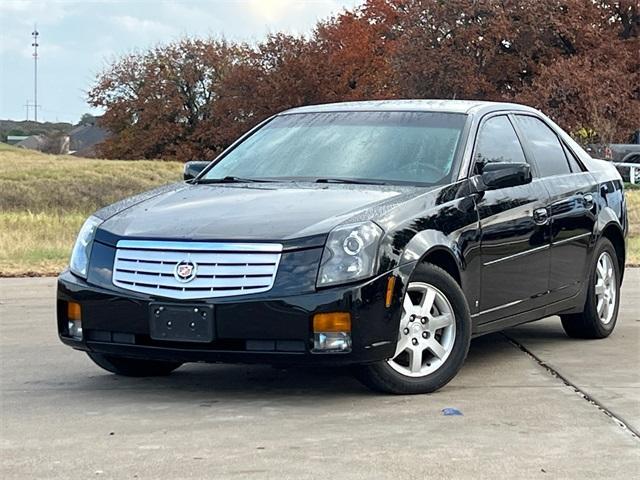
column 498, row 142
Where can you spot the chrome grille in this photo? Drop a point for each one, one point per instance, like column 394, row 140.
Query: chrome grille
column 221, row 269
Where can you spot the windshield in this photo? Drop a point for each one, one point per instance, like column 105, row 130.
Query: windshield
column 413, row 147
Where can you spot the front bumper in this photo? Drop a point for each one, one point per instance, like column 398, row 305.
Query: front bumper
column 264, row 330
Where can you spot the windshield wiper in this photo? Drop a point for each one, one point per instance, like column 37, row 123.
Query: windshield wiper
column 232, row 179
column 348, row 180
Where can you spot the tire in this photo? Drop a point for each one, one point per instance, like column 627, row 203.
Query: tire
column 594, row 323
column 414, row 370
column 132, row 367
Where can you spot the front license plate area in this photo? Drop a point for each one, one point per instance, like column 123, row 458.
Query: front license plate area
column 181, row 323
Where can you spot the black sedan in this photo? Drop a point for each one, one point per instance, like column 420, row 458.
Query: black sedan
column 377, row 235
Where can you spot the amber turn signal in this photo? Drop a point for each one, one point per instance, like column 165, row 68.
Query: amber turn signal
column 332, row 322
column 73, row 312
column 391, row 283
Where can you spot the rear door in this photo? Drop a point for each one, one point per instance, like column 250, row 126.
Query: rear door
column 514, row 229
column 572, row 192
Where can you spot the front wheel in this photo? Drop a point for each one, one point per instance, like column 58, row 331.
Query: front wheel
column 433, row 338
column 133, row 367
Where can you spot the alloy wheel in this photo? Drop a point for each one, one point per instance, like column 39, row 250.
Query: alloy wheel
column 427, row 331
column 606, row 288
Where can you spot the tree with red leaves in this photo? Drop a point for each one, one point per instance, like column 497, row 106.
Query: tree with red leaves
column 577, row 61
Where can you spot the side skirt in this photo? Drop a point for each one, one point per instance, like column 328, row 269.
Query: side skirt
column 569, row 305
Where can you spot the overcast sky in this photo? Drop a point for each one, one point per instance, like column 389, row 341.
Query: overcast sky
column 77, row 38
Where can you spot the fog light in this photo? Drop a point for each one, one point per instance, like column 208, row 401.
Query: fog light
column 75, row 330
column 332, row 342
column 332, row 332
column 74, row 320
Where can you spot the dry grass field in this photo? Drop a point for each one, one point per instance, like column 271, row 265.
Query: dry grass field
column 633, row 207
column 45, row 198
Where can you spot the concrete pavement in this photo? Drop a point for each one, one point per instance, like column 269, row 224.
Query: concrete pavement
column 62, row 417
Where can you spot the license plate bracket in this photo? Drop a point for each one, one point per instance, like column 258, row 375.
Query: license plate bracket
column 181, row 323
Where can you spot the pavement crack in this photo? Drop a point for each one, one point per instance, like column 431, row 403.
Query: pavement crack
column 584, row 395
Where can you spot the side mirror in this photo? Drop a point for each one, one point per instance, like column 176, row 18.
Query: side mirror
column 193, row 169
column 497, row 175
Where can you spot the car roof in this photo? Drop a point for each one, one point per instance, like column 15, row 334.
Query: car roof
column 449, row 106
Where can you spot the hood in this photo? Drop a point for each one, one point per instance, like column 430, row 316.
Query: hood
column 269, row 212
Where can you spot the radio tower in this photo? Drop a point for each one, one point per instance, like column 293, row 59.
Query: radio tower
column 35, row 34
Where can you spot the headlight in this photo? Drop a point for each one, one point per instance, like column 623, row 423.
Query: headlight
column 350, row 254
column 79, row 262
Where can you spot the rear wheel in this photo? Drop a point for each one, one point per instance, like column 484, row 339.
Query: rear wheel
column 133, row 367
column 433, row 339
column 603, row 299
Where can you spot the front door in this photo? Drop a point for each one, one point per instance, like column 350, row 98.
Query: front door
column 514, row 229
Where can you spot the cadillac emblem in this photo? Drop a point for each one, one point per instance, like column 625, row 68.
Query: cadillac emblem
column 185, row 271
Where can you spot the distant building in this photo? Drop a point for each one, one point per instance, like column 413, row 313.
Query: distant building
column 13, row 139
column 56, row 144
column 81, row 141
column 33, row 142
column 84, row 138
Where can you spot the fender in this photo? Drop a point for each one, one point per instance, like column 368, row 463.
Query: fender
column 609, row 221
column 444, row 220
column 606, row 217
column 613, row 208
column 613, row 214
column 428, row 241
column 463, row 249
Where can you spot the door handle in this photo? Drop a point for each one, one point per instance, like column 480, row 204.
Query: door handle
column 540, row 216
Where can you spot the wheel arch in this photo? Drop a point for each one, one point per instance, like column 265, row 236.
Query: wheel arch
column 442, row 250
column 613, row 232
column 434, row 246
column 443, row 257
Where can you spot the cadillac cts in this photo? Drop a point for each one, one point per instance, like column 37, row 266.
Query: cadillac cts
column 377, row 235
